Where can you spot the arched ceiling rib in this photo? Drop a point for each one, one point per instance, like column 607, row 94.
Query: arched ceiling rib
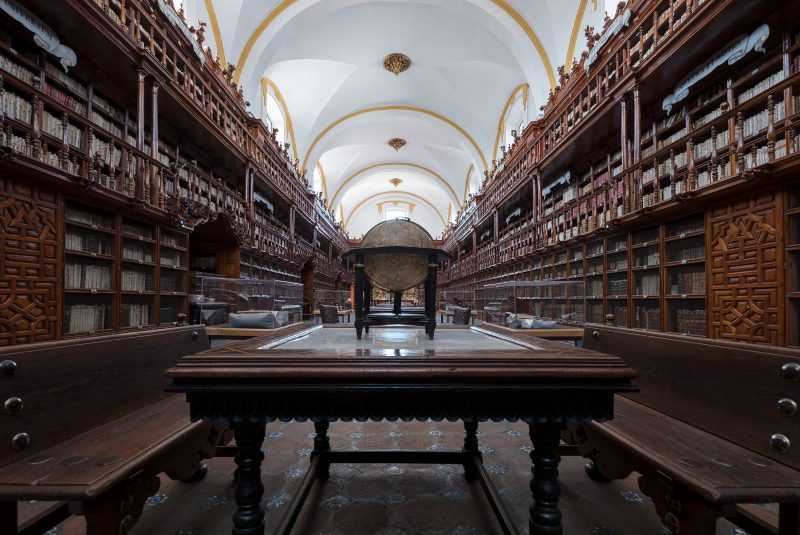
column 479, row 68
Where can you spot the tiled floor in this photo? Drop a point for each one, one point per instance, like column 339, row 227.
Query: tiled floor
column 396, row 499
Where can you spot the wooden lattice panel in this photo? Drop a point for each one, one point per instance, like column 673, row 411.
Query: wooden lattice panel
column 28, row 264
column 745, row 275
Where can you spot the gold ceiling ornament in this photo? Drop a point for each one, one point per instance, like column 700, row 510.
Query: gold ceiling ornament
column 395, row 182
column 397, row 143
column 396, row 63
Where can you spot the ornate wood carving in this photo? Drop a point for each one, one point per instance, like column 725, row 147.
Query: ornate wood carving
column 28, row 264
column 745, row 270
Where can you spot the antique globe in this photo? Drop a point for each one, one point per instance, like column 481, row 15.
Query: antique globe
column 396, row 272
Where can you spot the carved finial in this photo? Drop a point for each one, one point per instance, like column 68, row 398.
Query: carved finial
column 562, row 75
column 591, row 36
column 200, row 33
column 229, row 72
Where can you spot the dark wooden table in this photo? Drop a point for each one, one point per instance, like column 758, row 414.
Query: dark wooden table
column 254, row 382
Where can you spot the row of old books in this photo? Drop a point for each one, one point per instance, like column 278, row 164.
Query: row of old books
column 87, row 243
column 17, row 107
column 688, row 282
column 12, row 67
column 690, row 321
column 686, row 252
column 647, row 257
column 87, row 276
column 107, row 150
column 109, row 126
column 135, row 315
column 647, row 317
column 136, row 281
column 648, row 285
column 55, row 127
column 773, row 79
column 618, row 286
column 87, row 318
column 136, row 252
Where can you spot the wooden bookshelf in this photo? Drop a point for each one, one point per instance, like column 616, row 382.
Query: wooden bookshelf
column 163, row 138
column 685, row 181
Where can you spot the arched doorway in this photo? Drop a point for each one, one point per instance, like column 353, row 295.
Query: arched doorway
column 213, row 248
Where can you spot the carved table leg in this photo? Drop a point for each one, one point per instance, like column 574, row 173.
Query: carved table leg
column 471, row 446
column 8, row 517
column 545, row 515
column 789, row 519
column 322, row 444
column 248, row 519
column 117, row 510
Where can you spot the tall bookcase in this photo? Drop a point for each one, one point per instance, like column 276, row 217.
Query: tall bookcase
column 120, row 273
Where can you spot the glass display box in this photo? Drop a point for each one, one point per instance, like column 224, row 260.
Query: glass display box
column 338, row 298
column 515, row 303
column 220, row 300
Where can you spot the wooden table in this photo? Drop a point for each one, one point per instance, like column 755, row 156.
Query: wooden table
column 546, row 384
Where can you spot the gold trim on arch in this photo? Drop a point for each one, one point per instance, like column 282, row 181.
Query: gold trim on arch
column 520, row 20
column 361, row 204
column 466, row 184
column 502, row 4
column 363, row 170
column 253, row 39
column 376, row 109
column 212, row 19
column 573, row 38
column 266, row 84
column 502, row 123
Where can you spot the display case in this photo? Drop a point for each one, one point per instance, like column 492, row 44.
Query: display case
column 514, row 302
column 215, row 299
column 338, row 298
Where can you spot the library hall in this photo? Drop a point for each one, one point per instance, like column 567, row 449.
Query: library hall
column 399, row 267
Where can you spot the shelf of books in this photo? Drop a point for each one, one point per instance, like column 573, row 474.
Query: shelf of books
column 685, row 276
column 646, row 273
column 90, row 262
column 111, row 278
column 617, row 280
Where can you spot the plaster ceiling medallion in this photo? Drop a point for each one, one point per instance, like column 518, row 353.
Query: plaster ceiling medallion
column 395, row 182
column 396, row 63
column 397, row 143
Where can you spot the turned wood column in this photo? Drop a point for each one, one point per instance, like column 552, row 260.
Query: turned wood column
column 545, row 514
column 635, row 180
column 141, row 77
column 430, row 295
column 154, row 125
column 471, row 447
column 322, row 445
column 361, row 282
column 398, row 300
column 623, row 130
column 248, row 519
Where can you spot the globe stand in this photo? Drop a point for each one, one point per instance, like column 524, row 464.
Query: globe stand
column 363, row 291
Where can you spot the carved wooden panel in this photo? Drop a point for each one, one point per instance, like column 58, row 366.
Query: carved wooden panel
column 745, row 270
column 28, row 264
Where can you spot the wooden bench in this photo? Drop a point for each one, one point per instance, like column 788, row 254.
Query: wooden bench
column 88, row 428
column 705, row 431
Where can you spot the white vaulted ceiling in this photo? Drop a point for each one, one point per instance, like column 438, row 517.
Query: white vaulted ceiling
column 479, row 68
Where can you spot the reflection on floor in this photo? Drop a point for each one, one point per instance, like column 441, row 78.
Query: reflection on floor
column 397, row 499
